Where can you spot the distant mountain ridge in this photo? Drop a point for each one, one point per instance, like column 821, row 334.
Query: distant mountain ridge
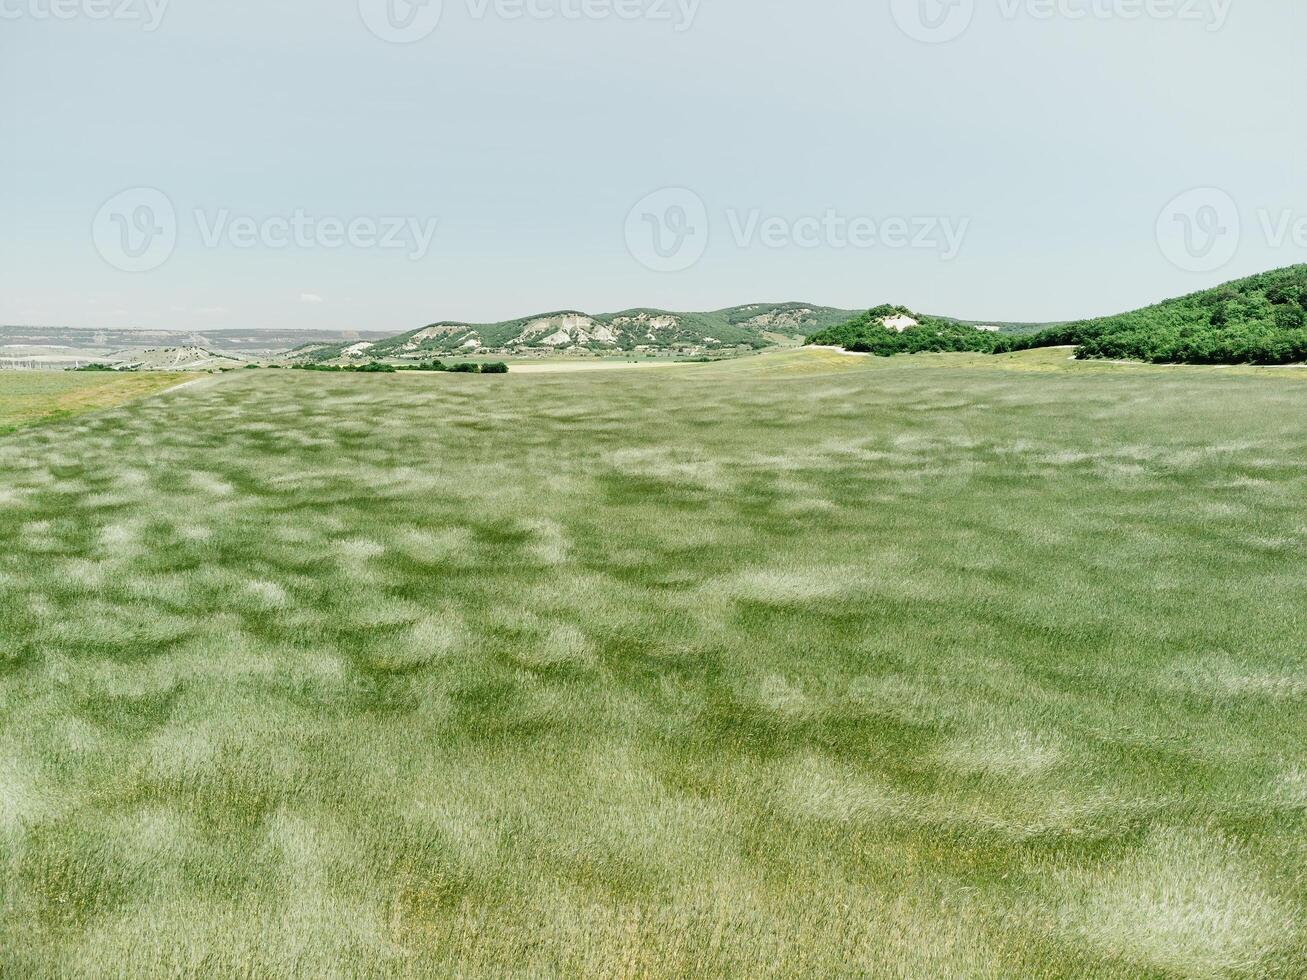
column 737, row 328
column 105, row 340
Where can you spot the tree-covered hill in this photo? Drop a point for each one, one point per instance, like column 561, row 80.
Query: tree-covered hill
column 888, row 330
column 1258, row 320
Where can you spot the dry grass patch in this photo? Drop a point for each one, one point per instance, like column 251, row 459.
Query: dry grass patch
column 35, row 396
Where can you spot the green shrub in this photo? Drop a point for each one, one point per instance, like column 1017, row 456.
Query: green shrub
column 495, row 367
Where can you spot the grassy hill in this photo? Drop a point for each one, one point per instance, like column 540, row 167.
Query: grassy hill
column 738, row 328
column 1258, row 320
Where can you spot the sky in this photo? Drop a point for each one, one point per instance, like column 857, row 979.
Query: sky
column 377, row 165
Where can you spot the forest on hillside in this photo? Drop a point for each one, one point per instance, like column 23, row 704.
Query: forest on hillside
column 867, row 334
column 1258, row 320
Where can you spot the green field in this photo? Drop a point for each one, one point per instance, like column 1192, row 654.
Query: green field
column 41, row 396
column 799, row 665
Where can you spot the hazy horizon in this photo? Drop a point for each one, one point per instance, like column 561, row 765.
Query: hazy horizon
column 549, row 311
column 369, row 167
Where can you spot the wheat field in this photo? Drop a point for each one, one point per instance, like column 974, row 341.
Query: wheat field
column 805, row 665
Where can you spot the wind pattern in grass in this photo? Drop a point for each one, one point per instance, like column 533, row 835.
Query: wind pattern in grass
column 811, row 665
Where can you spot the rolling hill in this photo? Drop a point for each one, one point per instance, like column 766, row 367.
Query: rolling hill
column 186, row 358
column 1258, row 320
column 888, row 330
column 1261, row 319
column 749, row 327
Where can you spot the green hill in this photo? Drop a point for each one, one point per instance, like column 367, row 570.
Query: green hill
column 570, row 331
column 888, row 330
column 1258, row 320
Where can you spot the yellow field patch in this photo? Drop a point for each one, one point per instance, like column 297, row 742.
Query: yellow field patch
column 27, row 397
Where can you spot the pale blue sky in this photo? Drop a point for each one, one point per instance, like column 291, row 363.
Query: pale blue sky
column 1055, row 141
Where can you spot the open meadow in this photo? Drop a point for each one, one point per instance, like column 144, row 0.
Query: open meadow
column 800, row 665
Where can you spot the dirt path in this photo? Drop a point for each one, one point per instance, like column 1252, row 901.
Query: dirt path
column 840, row 350
column 179, row 387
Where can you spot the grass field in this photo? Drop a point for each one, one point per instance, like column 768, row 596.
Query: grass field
column 42, row 396
column 803, row 665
